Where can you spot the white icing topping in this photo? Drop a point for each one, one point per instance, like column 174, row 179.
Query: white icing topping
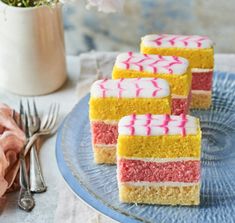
column 107, row 146
column 174, row 96
column 108, row 122
column 154, row 125
column 131, row 88
column 179, row 41
column 155, row 64
column 201, row 92
column 160, row 160
column 198, row 70
column 158, row 184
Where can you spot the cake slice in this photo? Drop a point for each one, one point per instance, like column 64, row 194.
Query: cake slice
column 158, row 159
column 200, row 53
column 112, row 99
column 174, row 69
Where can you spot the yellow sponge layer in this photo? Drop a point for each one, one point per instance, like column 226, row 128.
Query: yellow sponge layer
column 169, row 146
column 105, row 154
column 180, row 84
column 201, row 100
column 115, row 108
column 165, row 195
column 198, row 58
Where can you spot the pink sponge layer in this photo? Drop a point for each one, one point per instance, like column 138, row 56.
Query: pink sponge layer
column 202, row 80
column 176, row 171
column 180, row 106
column 104, row 133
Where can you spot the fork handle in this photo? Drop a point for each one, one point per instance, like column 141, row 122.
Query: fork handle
column 37, row 182
column 25, row 199
column 24, row 180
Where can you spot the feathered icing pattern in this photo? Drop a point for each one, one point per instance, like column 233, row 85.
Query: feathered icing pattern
column 158, row 125
column 152, row 63
column 167, row 40
column 131, row 88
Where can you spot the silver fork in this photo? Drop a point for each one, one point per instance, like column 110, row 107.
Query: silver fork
column 37, row 182
column 25, row 199
column 48, row 125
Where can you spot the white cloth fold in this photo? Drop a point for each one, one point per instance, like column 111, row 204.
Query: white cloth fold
column 71, row 209
column 93, row 66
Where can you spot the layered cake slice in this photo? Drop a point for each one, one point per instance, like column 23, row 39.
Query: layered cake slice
column 174, row 69
column 200, row 53
column 112, row 99
column 158, row 159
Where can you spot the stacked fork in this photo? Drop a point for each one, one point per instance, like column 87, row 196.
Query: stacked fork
column 31, row 124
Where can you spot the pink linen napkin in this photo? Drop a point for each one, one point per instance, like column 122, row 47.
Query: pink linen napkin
column 12, row 140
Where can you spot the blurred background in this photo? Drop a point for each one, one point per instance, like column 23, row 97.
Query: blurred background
column 90, row 30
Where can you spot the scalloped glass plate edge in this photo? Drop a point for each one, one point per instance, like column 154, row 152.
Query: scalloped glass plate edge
column 77, row 188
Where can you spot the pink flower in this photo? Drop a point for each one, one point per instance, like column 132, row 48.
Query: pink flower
column 106, row 6
column 12, row 140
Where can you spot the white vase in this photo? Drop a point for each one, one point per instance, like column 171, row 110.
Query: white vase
column 32, row 52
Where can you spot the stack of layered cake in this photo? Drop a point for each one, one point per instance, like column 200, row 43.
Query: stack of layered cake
column 139, row 119
column 199, row 52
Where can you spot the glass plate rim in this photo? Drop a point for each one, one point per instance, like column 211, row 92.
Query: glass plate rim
column 77, row 187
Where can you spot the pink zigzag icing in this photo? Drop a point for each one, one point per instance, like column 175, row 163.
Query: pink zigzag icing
column 183, row 123
column 165, row 125
column 128, row 62
column 136, row 87
column 102, row 86
column 155, row 84
column 166, row 121
column 132, row 123
column 120, row 88
column 158, row 41
column 148, row 122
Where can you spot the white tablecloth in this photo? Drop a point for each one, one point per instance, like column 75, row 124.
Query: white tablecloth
column 59, row 204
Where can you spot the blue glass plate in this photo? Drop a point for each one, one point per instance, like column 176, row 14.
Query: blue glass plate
column 97, row 185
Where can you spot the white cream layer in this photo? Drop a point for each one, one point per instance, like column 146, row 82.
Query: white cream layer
column 200, row 70
column 152, row 63
column 174, row 96
column 108, row 122
column 201, row 92
column 160, row 160
column 131, row 88
column 106, row 146
column 158, row 184
column 179, row 41
column 143, row 125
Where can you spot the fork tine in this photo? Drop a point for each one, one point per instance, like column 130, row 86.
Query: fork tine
column 14, row 115
column 51, row 116
column 23, row 123
column 21, row 114
column 35, row 110
column 48, row 117
column 30, row 118
column 55, row 116
column 28, row 107
column 26, row 126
